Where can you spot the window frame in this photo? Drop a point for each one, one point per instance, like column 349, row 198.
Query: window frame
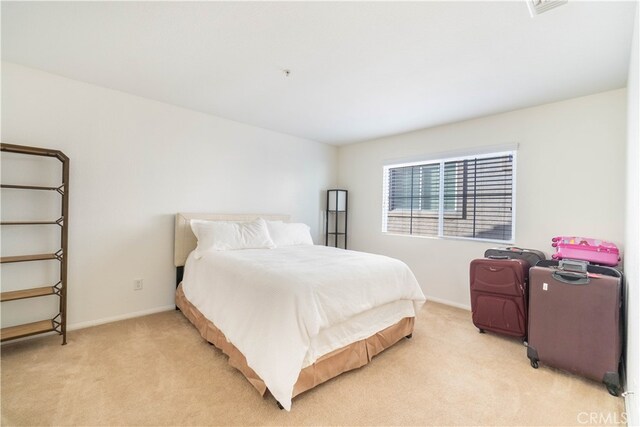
column 442, row 160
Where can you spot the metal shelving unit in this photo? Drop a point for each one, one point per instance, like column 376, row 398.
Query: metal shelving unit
column 59, row 322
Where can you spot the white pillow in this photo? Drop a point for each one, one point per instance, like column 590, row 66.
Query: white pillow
column 289, row 234
column 225, row 235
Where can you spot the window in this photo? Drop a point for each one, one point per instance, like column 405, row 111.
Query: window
column 465, row 197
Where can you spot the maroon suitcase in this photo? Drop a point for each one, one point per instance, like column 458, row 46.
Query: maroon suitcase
column 574, row 319
column 499, row 295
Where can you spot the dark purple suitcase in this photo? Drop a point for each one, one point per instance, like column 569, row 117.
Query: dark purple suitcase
column 499, row 295
column 532, row 256
column 575, row 319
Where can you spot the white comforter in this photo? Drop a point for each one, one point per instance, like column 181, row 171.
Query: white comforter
column 269, row 303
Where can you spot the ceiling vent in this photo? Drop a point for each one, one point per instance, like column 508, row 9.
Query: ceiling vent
column 536, row 7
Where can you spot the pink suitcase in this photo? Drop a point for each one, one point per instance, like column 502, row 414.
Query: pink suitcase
column 586, row 249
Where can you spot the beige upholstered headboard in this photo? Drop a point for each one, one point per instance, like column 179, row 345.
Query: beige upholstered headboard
column 185, row 240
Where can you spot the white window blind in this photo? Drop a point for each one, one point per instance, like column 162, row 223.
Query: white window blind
column 465, row 197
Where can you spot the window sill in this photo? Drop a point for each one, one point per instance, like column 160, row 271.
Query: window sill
column 468, row 239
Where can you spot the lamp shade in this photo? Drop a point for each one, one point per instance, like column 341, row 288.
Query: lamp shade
column 337, row 200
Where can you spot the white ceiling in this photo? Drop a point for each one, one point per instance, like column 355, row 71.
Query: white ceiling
column 359, row 70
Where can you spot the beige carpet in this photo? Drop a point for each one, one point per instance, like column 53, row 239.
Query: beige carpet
column 157, row 370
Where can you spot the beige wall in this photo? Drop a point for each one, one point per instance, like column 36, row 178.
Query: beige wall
column 570, row 180
column 134, row 164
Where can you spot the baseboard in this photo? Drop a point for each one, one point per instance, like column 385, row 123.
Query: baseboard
column 82, row 325
column 450, row 303
column 632, row 410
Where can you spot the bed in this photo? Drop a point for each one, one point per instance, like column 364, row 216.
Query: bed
column 292, row 317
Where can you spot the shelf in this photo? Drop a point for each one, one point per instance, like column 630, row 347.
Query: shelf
column 25, row 330
column 35, row 151
column 29, row 187
column 27, row 293
column 59, row 322
column 23, row 258
column 29, row 223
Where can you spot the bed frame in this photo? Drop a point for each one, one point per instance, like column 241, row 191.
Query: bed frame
column 330, row 365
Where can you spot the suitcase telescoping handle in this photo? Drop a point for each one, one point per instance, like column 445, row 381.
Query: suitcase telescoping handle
column 573, row 265
column 498, row 257
column 572, row 278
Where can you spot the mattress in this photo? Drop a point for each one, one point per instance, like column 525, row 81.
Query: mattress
column 299, row 302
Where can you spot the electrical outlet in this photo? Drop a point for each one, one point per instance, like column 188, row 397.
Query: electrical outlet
column 137, row 285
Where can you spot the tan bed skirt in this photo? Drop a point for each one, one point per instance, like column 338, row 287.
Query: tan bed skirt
column 326, row 367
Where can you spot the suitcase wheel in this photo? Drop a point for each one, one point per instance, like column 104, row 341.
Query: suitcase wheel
column 534, row 363
column 612, row 381
column 481, row 330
